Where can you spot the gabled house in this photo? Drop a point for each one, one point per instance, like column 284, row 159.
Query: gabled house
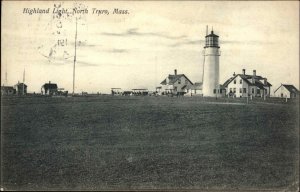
column 49, row 89
column 175, row 84
column 243, row 85
column 8, row 90
column 286, row 91
column 21, row 88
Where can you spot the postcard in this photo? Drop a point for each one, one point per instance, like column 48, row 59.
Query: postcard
column 150, row 95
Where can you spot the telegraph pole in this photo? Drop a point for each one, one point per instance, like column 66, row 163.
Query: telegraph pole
column 23, row 81
column 74, row 59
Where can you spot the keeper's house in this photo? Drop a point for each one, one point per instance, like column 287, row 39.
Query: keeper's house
column 286, row 91
column 174, row 84
column 243, row 85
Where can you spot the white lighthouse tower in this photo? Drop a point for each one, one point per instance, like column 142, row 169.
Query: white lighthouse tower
column 211, row 65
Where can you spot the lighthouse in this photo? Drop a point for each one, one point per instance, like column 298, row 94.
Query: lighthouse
column 211, row 65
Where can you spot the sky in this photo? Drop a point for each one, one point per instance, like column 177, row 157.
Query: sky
column 140, row 49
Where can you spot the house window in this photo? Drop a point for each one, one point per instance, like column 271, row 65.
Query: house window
column 245, row 90
column 175, row 88
column 266, row 91
column 241, row 81
column 258, row 91
column 241, row 90
column 214, row 91
column 252, row 90
column 179, row 81
column 234, row 81
column 234, row 90
column 230, row 90
column 220, row 90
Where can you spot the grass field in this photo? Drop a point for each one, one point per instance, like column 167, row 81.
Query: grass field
column 98, row 143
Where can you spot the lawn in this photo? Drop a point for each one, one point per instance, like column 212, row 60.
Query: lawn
column 105, row 142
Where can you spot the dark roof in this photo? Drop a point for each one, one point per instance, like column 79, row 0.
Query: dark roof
column 212, row 34
column 7, row 88
column 184, row 87
column 173, row 79
column 50, row 86
column 247, row 79
column 291, row 88
column 259, row 84
column 228, row 81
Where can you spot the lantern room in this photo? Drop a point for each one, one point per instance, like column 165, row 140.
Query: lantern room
column 212, row 40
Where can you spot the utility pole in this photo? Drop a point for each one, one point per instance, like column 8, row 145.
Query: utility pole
column 23, row 81
column 6, row 77
column 74, row 59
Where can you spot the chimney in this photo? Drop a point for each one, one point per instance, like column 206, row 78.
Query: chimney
column 265, row 81
column 254, row 76
column 233, row 73
column 244, row 71
column 175, row 71
column 49, row 82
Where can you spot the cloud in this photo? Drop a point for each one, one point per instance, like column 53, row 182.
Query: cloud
column 135, row 32
column 117, row 50
column 252, row 42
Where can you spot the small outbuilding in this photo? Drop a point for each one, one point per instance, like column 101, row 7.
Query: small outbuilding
column 8, row 90
column 49, row 89
column 21, row 88
column 286, row 91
